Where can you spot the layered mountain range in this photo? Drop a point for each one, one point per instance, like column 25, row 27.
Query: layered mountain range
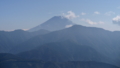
column 59, row 43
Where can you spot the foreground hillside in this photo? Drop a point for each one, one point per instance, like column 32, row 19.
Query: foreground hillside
column 15, row 62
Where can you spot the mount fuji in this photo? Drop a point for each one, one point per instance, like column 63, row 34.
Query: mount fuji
column 53, row 24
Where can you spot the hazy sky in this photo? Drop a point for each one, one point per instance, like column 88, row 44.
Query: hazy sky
column 26, row 14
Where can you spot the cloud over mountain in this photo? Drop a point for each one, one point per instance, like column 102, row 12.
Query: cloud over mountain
column 88, row 21
column 91, row 22
column 70, row 15
column 116, row 20
column 67, row 26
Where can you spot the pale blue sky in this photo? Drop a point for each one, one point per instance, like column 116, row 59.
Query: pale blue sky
column 26, row 14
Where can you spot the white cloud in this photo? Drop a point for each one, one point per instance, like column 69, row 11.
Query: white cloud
column 83, row 13
column 89, row 21
column 70, row 15
column 116, row 20
column 109, row 13
column 96, row 12
column 92, row 22
column 100, row 22
column 67, row 26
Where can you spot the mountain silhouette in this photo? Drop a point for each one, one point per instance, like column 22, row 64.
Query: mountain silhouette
column 53, row 24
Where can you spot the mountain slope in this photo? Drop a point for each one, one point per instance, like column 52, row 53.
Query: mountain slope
column 53, row 24
column 105, row 42
column 23, row 63
column 11, row 39
column 91, row 36
column 39, row 64
column 63, row 51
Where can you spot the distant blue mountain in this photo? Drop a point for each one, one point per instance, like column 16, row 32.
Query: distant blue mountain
column 53, row 24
